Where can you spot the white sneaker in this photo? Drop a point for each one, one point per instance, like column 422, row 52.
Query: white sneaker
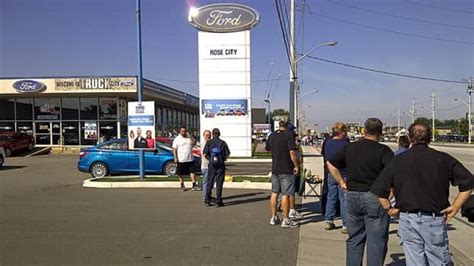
column 294, row 214
column 288, row 223
column 275, row 220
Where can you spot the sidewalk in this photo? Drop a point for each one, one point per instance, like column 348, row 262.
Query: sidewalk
column 320, row 247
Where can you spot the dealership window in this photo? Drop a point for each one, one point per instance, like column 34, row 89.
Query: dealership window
column 123, row 130
column 47, row 108
column 89, row 134
column 7, row 126
column 107, row 108
column 71, row 132
column 24, row 109
column 107, row 130
column 25, row 127
column 158, row 114
column 165, row 115
column 7, row 109
column 70, row 109
column 89, row 108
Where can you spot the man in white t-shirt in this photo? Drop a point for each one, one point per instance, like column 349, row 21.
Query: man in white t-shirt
column 183, row 157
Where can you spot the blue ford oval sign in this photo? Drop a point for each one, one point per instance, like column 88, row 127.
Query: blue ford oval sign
column 223, row 18
column 28, row 86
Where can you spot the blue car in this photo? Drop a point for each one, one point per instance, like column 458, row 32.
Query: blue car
column 114, row 157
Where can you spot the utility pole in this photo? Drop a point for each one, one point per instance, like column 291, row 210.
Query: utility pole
column 413, row 111
column 433, row 116
column 469, row 115
column 293, row 69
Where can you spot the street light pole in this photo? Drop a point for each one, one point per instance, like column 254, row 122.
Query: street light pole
column 469, row 115
column 293, row 75
column 140, row 80
column 433, row 116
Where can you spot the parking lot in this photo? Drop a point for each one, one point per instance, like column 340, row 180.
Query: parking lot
column 47, row 218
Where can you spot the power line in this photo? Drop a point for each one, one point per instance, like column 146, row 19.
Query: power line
column 442, row 8
column 386, row 72
column 391, row 31
column 401, row 17
column 195, row 82
column 283, row 32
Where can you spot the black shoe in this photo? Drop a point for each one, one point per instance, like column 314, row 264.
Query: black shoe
column 219, row 204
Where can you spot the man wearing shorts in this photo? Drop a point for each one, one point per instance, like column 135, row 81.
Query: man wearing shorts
column 183, row 157
column 285, row 166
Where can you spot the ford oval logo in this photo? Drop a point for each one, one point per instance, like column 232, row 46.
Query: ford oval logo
column 223, row 18
column 29, row 86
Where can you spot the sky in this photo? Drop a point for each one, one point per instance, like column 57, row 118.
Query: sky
column 48, row 38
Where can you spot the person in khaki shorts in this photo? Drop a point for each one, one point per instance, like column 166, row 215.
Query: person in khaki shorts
column 285, row 166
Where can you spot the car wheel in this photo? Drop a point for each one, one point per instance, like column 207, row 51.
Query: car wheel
column 30, row 146
column 8, row 152
column 169, row 168
column 99, row 170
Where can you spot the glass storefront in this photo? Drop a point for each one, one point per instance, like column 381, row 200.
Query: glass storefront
column 81, row 121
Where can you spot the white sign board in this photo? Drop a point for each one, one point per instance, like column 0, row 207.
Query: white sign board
column 224, row 88
column 141, row 125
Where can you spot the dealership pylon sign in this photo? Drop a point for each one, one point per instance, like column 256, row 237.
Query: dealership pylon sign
column 224, row 71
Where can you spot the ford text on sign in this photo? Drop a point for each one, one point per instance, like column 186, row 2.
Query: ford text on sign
column 224, row 18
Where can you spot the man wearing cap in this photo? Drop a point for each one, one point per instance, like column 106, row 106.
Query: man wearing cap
column 421, row 178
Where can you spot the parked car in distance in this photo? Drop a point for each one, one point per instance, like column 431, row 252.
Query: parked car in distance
column 14, row 142
column 114, row 157
column 230, row 112
column 221, row 112
column 2, row 156
column 239, row 112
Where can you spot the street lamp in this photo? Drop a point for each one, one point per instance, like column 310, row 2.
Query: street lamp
column 308, row 92
column 293, row 79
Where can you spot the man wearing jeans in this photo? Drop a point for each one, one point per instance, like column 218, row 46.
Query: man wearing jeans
column 366, row 219
column 205, row 164
column 285, row 166
column 332, row 147
column 421, row 178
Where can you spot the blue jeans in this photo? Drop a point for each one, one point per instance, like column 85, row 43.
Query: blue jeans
column 215, row 174
column 425, row 239
column 335, row 192
column 205, row 182
column 367, row 222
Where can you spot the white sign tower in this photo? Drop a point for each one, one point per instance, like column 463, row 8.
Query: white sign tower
column 224, row 72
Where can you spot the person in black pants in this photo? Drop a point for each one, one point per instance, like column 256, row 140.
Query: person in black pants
column 217, row 152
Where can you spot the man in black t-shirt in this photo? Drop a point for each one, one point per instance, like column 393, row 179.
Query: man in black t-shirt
column 285, row 166
column 421, row 179
column 366, row 219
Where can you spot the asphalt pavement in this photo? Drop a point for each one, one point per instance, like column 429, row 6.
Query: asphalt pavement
column 47, row 218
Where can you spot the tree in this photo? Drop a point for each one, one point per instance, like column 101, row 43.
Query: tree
column 280, row 112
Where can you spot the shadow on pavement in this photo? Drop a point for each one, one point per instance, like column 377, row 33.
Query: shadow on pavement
column 242, row 195
column 11, row 167
column 398, row 259
column 243, row 201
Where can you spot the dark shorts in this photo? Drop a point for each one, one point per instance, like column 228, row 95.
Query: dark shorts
column 284, row 184
column 185, row 168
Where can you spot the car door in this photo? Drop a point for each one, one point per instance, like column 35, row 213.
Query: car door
column 116, row 156
column 153, row 162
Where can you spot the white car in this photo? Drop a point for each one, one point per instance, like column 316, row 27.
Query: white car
column 2, row 156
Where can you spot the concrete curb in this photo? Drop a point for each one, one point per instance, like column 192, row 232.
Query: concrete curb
column 89, row 183
column 230, row 160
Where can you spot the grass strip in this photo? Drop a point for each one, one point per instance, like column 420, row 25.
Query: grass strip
column 175, row 178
